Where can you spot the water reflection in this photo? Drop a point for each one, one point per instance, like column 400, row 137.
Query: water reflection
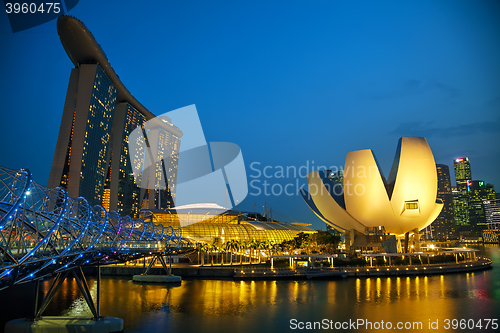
column 226, row 301
column 252, row 306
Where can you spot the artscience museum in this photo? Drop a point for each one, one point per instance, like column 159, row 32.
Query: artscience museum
column 370, row 204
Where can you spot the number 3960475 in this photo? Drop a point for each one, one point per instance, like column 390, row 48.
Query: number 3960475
column 32, row 8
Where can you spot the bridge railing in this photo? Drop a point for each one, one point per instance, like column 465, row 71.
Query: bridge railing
column 43, row 231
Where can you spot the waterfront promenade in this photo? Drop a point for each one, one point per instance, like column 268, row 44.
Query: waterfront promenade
column 261, row 271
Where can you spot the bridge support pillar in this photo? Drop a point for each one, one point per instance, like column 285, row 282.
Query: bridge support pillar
column 158, row 278
column 56, row 284
column 49, row 324
column 98, row 290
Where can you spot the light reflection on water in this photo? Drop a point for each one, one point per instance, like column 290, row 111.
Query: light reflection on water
column 253, row 306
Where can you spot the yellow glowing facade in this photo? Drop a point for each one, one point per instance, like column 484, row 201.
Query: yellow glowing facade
column 213, row 224
column 404, row 202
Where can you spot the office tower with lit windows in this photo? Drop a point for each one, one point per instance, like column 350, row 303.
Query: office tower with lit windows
column 492, row 215
column 443, row 228
column 92, row 157
column 492, row 211
column 161, row 133
column 123, row 193
column 461, row 209
column 479, row 192
column 463, row 173
column 463, row 177
column 81, row 157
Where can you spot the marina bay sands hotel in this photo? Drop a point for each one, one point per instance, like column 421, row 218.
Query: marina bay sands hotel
column 92, row 157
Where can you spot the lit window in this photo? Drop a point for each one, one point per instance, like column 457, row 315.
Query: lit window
column 411, row 205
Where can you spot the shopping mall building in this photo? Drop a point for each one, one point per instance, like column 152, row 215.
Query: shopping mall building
column 212, row 223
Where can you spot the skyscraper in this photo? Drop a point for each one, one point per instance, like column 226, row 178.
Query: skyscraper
column 478, row 193
column 124, row 194
column 91, row 158
column 161, row 133
column 81, row 157
column 443, row 228
column 461, row 209
column 462, row 172
column 492, row 211
column 492, row 215
column 463, row 178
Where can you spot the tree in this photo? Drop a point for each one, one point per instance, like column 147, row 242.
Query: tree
column 223, row 250
column 199, row 248
column 243, row 246
column 301, row 240
column 231, row 245
column 326, row 241
column 260, row 245
column 212, row 247
column 267, row 245
column 202, row 249
column 253, row 245
column 236, row 247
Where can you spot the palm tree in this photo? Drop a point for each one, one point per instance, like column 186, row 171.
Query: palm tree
column 237, row 246
column 199, row 248
column 204, row 248
column 242, row 246
column 224, row 248
column 212, row 248
column 267, row 245
column 260, row 246
column 245, row 245
column 275, row 247
column 232, row 245
column 252, row 245
column 256, row 245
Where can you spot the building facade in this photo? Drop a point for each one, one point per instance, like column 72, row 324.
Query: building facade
column 492, row 211
column 82, row 152
column 492, row 214
column 163, row 135
column 463, row 173
column 124, row 194
column 461, row 209
column 404, row 202
column 478, row 193
column 443, row 228
column 213, row 224
column 92, row 157
column 463, row 177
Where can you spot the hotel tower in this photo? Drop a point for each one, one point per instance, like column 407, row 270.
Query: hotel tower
column 92, row 157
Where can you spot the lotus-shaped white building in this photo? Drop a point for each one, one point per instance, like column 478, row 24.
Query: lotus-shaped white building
column 365, row 199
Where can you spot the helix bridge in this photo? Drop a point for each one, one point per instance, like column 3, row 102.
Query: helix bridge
column 45, row 233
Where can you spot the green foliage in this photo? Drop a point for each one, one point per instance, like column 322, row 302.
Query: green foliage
column 357, row 262
column 324, row 262
column 280, row 263
column 325, row 241
column 400, row 261
column 444, row 258
column 380, row 261
column 349, row 262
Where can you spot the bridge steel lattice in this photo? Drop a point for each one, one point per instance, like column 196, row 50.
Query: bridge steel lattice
column 43, row 232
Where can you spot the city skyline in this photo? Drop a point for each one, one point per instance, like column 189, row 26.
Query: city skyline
column 267, row 76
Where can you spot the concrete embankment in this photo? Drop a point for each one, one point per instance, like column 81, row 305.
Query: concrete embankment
column 420, row 269
column 262, row 272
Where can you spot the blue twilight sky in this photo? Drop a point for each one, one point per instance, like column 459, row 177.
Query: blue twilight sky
column 293, row 83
